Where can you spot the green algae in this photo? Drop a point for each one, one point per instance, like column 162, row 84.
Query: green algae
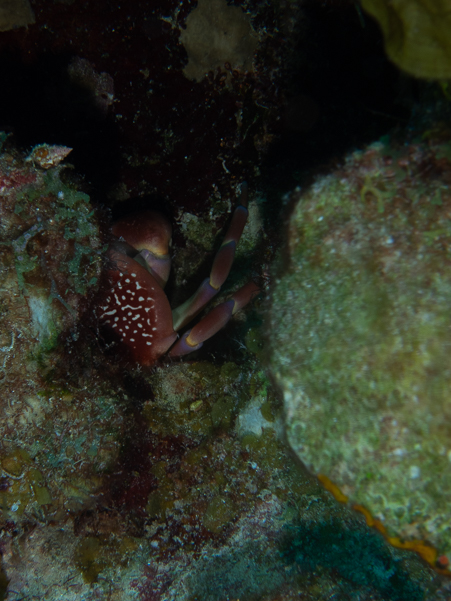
column 219, row 513
column 86, row 558
column 267, row 411
column 50, row 257
column 71, row 210
column 59, row 209
column 23, row 262
column 254, row 341
column 94, row 554
column 27, row 484
column 221, row 413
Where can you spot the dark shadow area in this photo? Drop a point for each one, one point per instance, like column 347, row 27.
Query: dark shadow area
column 150, row 202
column 356, row 553
column 40, row 103
column 341, row 91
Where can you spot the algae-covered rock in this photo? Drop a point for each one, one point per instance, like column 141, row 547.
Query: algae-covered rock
column 361, row 329
column 216, row 34
column 416, row 33
column 59, row 435
column 15, row 13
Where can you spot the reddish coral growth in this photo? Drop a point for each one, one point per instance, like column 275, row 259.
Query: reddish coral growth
column 155, row 584
column 14, row 180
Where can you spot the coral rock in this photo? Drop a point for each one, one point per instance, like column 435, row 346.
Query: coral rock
column 361, row 330
column 216, row 34
column 15, row 13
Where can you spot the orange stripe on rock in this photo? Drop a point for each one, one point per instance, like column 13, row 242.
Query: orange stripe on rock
column 424, row 550
column 332, row 488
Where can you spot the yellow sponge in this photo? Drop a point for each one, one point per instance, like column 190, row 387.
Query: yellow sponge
column 417, row 34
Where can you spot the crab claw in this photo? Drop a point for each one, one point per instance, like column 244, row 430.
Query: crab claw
column 133, row 310
column 213, row 321
column 148, row 232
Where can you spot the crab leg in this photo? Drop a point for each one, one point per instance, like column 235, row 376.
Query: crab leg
column 220, row 269
column 213, row 321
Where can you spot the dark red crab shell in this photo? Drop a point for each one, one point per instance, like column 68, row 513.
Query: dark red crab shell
column 136, row 310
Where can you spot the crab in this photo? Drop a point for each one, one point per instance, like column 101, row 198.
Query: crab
column 133, row 309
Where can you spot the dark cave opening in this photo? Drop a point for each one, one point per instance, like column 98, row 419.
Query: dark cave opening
column 339, row 72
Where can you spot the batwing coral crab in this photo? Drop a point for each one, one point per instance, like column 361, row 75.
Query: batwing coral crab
column 133, row 309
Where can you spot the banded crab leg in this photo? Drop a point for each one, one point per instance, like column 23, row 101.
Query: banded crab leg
column 216, row 319
column 220, row 268
column 220, row 315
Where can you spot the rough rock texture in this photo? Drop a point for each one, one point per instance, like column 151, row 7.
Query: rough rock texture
column 15, row 13
column 171, row 483
column 50, row 257
column 361, row 331
column 216, row 34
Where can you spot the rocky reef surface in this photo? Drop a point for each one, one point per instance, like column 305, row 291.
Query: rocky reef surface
column 361, row 331
column 50, row 258
column 173, row 483
column 176, row 481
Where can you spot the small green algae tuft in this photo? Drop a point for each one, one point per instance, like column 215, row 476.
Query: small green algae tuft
column 219, row 513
